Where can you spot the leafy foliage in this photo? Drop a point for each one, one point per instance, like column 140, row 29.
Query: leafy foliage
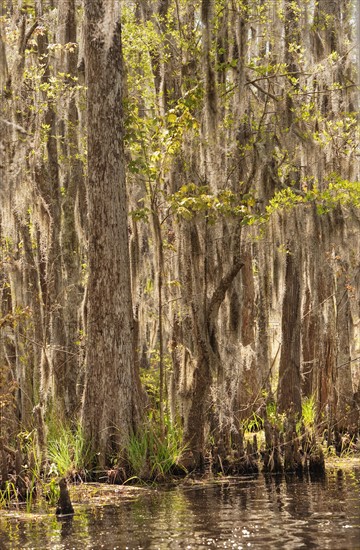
column 192, row 199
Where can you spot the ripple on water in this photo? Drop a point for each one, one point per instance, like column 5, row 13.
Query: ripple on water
column 262, row 512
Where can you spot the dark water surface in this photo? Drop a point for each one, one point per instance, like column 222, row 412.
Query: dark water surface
column 258, row 512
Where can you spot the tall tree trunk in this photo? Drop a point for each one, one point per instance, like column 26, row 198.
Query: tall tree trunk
column 72, row 184
column 110, row 408
column 289, row 390
column 204, row 315
column 344, row 386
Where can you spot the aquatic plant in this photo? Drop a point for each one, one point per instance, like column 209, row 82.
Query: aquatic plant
column 51, row 490
column 8, row 493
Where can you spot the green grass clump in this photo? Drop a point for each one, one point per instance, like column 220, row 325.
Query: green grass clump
column 68, row 452
column 309, row 412
column 154, row 456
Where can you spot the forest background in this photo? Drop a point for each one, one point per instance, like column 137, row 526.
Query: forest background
column 179, row 228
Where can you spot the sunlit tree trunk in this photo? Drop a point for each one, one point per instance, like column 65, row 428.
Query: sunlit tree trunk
column 110, row 408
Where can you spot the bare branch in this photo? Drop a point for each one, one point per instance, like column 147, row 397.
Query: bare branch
column 220, row 292
column 15, row 126
column 269, row 94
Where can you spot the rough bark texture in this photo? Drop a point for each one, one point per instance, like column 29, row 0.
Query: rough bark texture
column 289, row 387
column 109, row 412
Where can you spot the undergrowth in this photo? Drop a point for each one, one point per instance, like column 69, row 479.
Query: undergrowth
column 155, row 456
column 68, row 452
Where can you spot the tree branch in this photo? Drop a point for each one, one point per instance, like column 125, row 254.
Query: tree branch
column 17, row 127
column 220, row 292
column 30, row 32
column 25, row 36
column 253, row 83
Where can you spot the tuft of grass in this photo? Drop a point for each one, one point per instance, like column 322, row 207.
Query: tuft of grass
column 8, row 494
column 309, row 412
column 152, row 455
column 69, row 452
column 167, row 451
column 31, row 493
column 253, row 424
column 137, row 453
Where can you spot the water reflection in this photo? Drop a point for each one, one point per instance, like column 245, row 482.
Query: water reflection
column 254, row 512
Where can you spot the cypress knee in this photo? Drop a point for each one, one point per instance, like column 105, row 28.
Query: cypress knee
column 64, row 507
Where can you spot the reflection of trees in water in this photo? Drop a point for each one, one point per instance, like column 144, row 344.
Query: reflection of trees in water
column 273, row 486
column 306, row 503
column 265, row 511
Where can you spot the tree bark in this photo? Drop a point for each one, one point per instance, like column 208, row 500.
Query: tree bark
column 110, row 408
column 289, row 389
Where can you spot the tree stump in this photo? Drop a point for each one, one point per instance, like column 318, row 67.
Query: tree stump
column 316, row 460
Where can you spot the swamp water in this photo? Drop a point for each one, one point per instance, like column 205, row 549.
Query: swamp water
column 247, row 512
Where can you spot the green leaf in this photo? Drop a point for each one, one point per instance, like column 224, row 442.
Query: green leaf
column 172, row 118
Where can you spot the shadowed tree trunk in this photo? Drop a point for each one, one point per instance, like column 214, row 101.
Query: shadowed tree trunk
column 204, row 314
column 289, row 396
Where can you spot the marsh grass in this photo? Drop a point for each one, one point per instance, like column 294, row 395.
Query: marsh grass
column 137, row 454
column 309, row 412
column 8, row 494
column 154, row 456
column 68, row 452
